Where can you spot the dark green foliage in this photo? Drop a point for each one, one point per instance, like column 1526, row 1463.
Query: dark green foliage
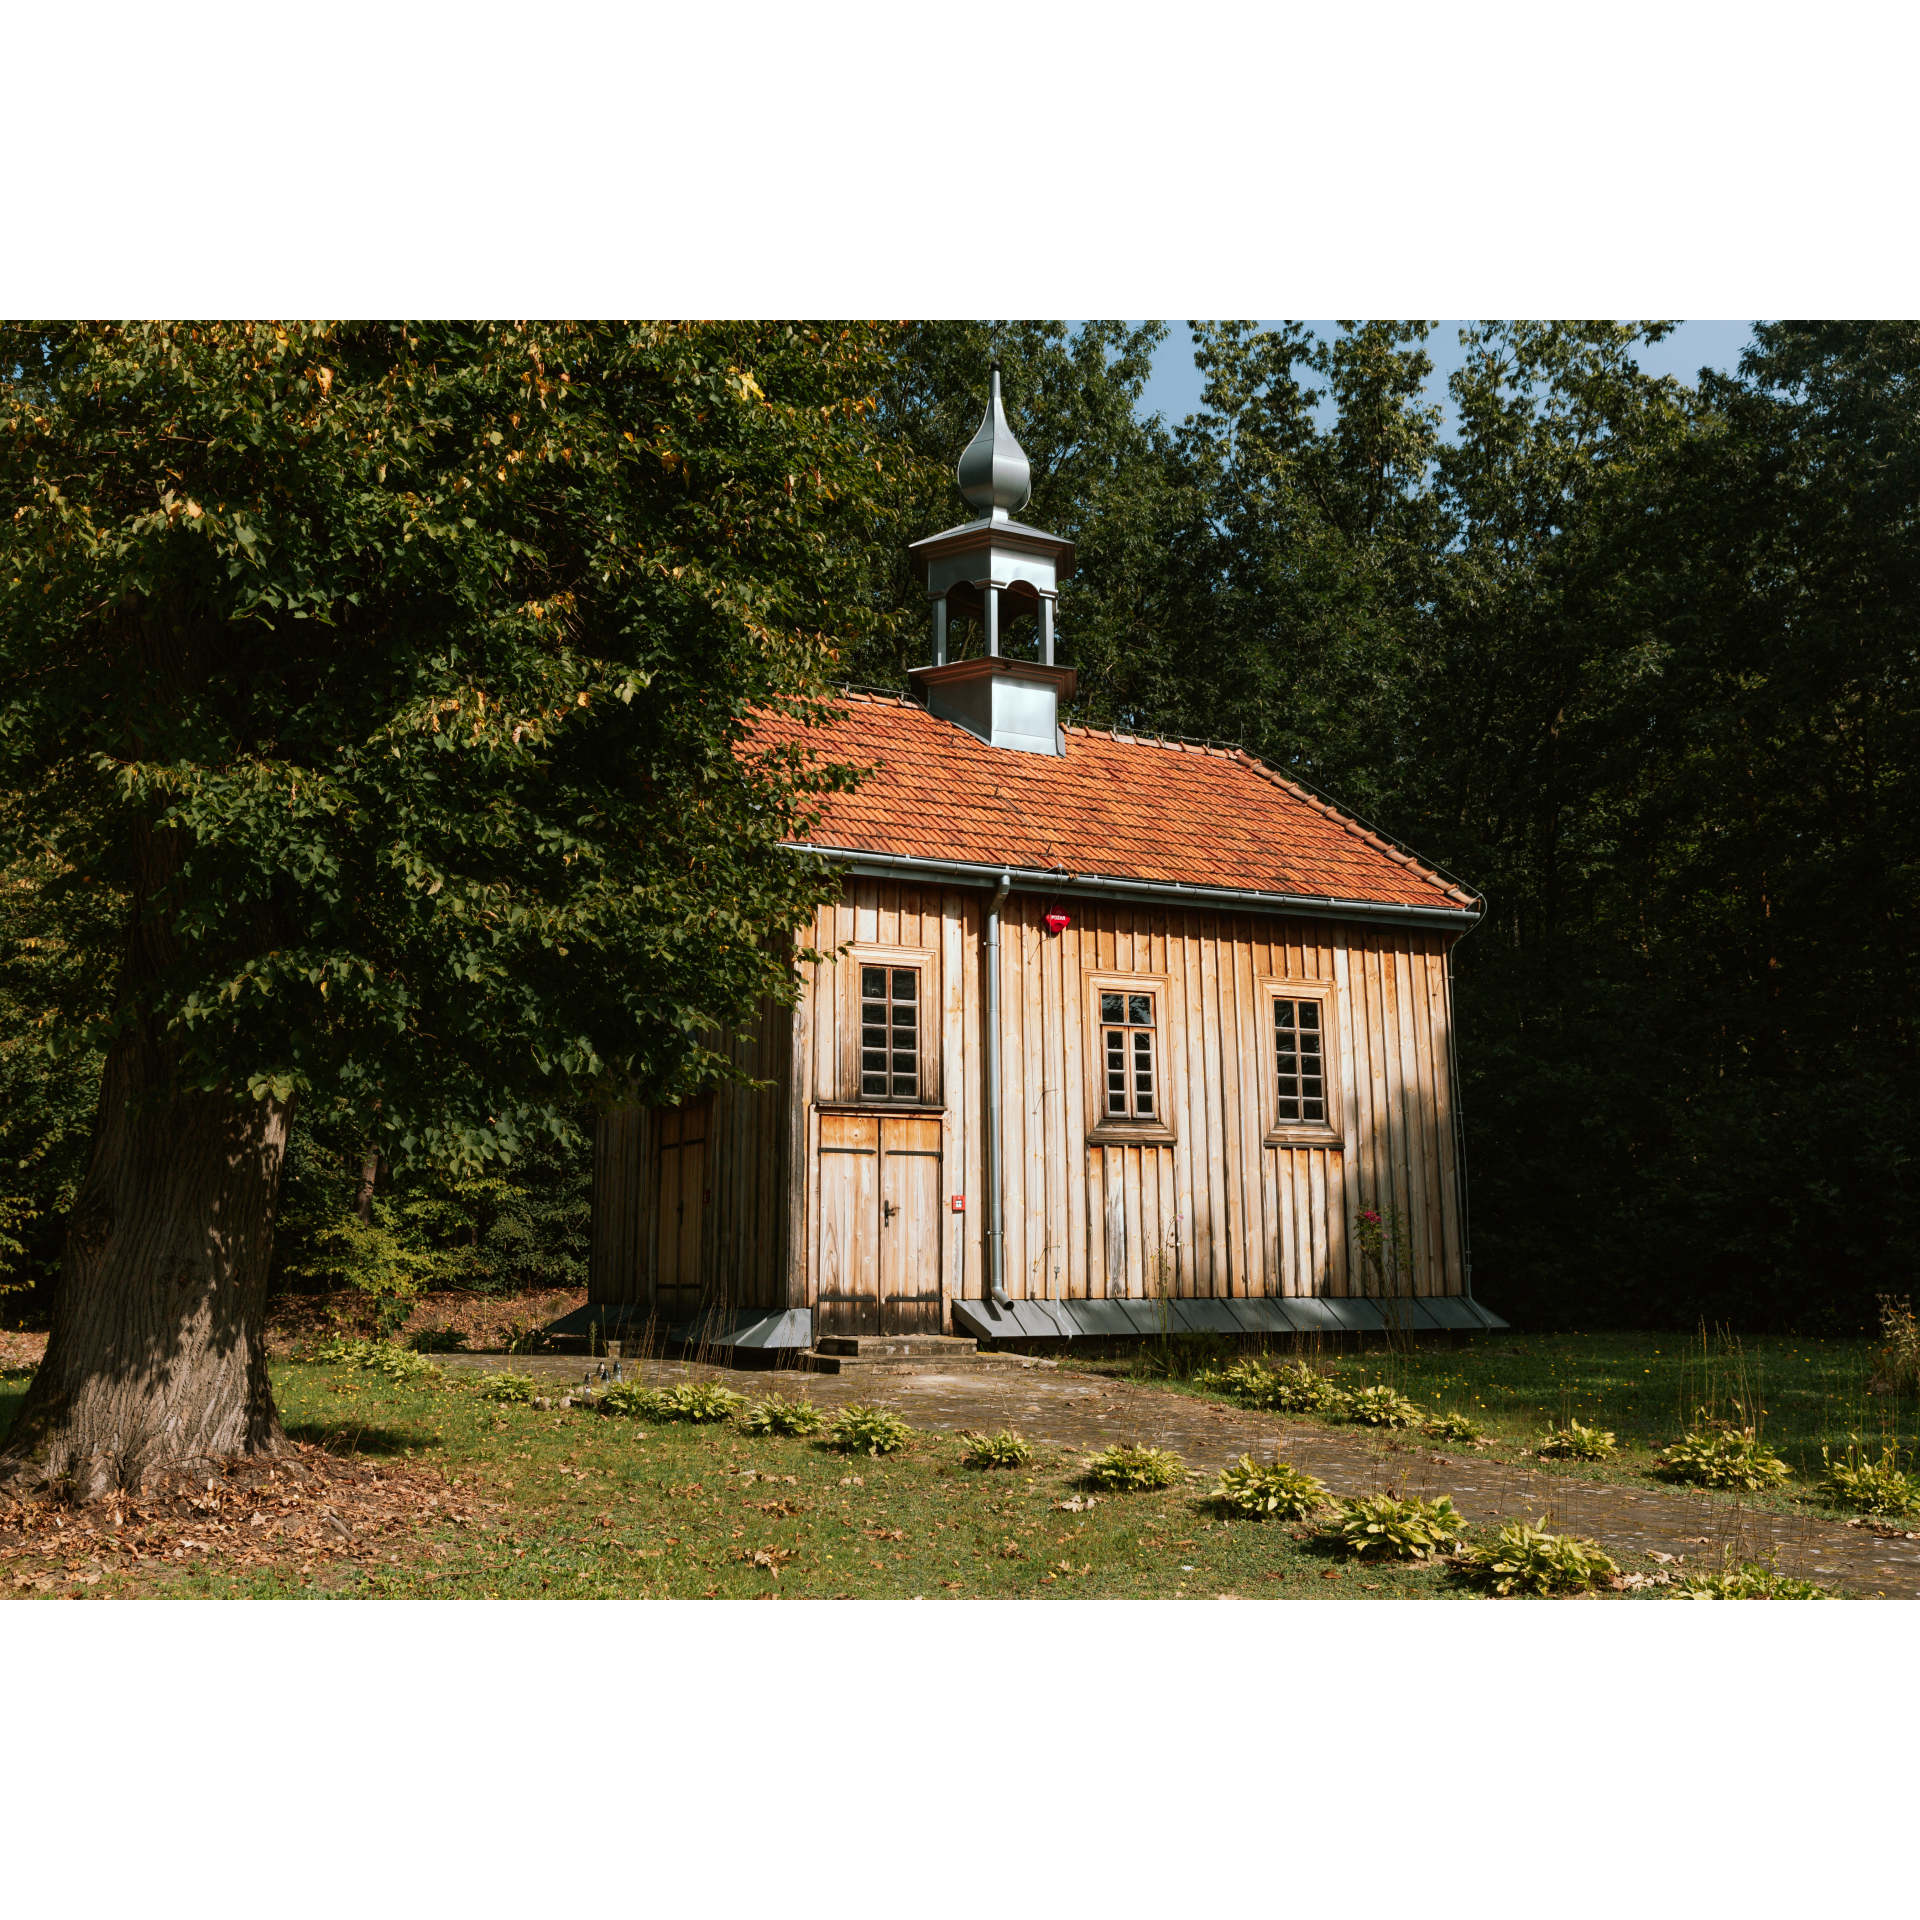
column 1636, row 658
column 402, row 674
column 518, row 1229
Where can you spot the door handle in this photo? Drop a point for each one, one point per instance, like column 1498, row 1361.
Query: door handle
column 887, row 1211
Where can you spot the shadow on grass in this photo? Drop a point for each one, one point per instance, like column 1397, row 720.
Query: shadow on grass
column 357, row 1437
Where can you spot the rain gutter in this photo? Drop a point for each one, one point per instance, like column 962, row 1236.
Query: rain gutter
column 1056, row 880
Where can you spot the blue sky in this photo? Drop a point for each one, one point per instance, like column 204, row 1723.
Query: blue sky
column 1174, row 388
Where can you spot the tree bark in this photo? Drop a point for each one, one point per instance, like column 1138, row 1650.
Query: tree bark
column 158, row 1351
column 157, row 1356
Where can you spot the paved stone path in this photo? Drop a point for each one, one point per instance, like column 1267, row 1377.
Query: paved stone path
column 1085, row 1411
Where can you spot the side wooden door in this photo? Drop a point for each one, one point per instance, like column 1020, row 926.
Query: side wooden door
column 848, row 1297
column 683, row 1200
column 910, row 1223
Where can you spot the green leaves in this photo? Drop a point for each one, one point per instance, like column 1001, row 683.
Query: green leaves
column 859, row 1428
column 987, row 1451
column 1716, row 1455
column 1277, row 1490
column 1575, row 1442
column 1397, row 1528
column 403, row 673
column 1127, row 1469
column 1530, row 1560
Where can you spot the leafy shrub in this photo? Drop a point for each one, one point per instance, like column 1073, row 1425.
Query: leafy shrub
column 1377, row 1407
column 1279, row 1490
column 1296, row 1389
column 1452, row 1426
column 634, row 1402
column 1575, row 1442
column 1715, row 1455
column 512, row 1389
column 990, row 1450
column 1748, row 1582
column 1293, row 1388
column 1134, row 1469
column 1399, row 1529
column 1527, row 1559
column 1868, row 1485
column 1899, row 1369
column 778, row 1414
column 869, row 1430
column 437, row 1340
column 377, row 1356
column 702, row 1402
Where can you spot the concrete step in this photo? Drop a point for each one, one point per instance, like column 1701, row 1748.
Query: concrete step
column 895, row 1346
column 959, row 1356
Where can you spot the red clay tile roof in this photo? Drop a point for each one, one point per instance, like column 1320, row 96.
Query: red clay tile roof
column 1120, row 807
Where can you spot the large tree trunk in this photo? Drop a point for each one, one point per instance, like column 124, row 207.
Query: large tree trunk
column 158, row 1353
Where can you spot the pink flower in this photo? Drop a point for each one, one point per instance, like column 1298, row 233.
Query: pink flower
column 1367, row 1214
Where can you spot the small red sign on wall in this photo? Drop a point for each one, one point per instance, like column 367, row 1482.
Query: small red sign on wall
column 1058, row 920
column 958, row 1203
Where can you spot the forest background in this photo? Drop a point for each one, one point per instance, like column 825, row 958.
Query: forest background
column 1632, row 656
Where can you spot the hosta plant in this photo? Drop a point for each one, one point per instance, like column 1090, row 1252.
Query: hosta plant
column 1396, row 1528
column 869, row 1430
column 1748, row 1582
column 1452, row 1426
column 1871, row 1486
column 777, row 1414
column 1276, row 1491
column 633, row 1401
column 513, row 1389
column 990, row 1450
column 1528, row 1559
column 1378, row 1406
column 703, row 1402
column 1134, row 1469
column 1714, row 1455
column 1293, row 1388
column 377, row 1356
column 1575, row 1442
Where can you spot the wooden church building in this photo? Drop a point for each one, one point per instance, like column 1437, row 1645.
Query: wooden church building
column 1115, row 1029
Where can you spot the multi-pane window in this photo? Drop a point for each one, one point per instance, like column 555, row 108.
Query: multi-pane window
column 1126, row 1034
column 1301, row 1066
column 890, row 1033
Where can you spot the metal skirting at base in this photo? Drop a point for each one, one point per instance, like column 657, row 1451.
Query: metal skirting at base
column 754, row 1328
column 1146, row 1319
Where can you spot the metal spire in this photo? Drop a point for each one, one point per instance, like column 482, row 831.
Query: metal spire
column 995, row 476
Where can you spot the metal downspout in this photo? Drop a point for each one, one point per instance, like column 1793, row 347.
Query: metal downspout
column 1459, row 1122
column 996, row 1246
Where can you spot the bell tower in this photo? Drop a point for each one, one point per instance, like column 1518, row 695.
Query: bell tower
column 995, row 568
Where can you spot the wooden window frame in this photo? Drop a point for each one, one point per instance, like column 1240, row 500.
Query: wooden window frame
column 1102, row 1130
column 926, row 962
column 1301, row 1133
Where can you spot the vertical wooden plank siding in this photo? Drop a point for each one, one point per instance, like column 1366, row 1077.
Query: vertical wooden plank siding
column 1240, row 1209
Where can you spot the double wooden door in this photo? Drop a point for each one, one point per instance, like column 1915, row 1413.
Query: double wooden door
column 880, row 1221
column 683, row 1209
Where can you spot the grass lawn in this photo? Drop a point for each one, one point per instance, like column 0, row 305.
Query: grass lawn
column 580, row 1505
column 1644, row 1388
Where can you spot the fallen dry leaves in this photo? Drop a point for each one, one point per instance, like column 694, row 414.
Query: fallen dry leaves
column 302, row 1509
